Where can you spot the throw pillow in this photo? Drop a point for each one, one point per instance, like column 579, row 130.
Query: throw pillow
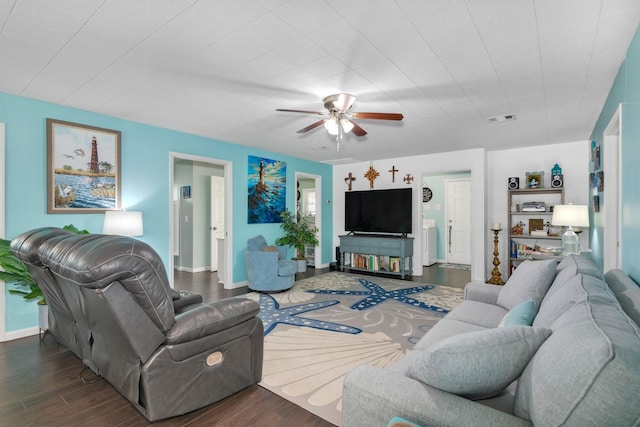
column 478, row 365
column 270, row 249
column 520, row 315
column 530, row 280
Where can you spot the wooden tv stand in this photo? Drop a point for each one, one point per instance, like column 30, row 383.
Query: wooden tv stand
column 376, row 253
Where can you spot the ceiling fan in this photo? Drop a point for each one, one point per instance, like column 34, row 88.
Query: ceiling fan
column 338, row 121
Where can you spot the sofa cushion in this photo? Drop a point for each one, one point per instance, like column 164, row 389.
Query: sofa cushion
column 568, row 268
column 530, row 280
column 478, row 364
column 478, row 313
column 627, row 293
column 444, row 329
column 520, row 315
column 591, row 356
column 566, row 296
column 256, row 243
column 581, row 264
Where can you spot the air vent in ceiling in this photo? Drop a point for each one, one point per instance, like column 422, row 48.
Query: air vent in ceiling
column 505, row 118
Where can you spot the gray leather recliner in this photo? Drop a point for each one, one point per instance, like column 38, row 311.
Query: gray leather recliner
column 113, row 294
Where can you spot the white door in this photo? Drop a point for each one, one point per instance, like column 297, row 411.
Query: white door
column 216, row 229
column 458, row 221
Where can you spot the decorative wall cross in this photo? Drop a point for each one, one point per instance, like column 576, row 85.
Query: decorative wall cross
column 408, row 178
column 371, row 175
column 393, row 171
column 349, row 179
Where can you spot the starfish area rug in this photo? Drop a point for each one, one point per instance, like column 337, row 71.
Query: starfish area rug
column 324, row 326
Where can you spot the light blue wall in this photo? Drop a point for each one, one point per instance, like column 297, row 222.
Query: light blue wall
column 626, row 91
column 145, row 183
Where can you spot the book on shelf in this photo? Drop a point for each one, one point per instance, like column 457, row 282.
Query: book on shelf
column 383, row 263
column 394, row 264
column 374, row 262
column 519, row 250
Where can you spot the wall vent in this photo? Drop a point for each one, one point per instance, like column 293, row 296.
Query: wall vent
column 505, row 118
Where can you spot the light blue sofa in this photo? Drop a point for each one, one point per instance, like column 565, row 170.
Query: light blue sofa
column 582, row 368
column 268, row 269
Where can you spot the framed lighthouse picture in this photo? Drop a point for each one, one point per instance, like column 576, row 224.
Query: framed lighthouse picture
column 83, row 168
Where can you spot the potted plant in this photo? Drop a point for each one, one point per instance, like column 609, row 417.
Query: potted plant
column 297, row 234
column 15, row 272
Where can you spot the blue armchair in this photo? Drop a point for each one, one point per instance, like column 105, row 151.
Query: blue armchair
column 268, row 268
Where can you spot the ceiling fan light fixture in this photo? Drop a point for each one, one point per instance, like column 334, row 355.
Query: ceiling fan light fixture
column 331, row 125
column 347, row 125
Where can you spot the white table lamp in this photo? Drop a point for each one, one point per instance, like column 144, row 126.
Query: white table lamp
column 123, row 223
column 570, row 216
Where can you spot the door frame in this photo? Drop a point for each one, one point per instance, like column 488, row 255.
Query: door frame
column 318, row 220
column 612, row 236
column 228, row 202
column 474, row 166
column 213, row 244
column 3, row 308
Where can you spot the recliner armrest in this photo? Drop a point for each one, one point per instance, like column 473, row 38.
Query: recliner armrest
column 209, row 319
column 482, row 292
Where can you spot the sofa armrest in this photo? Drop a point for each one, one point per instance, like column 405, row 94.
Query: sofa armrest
column 373, row 396
column 209, row 319
column 482, row 292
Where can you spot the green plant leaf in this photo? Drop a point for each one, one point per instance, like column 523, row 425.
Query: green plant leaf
column 74, row 229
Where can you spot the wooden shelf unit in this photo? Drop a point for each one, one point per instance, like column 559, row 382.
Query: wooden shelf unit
column 551, row 197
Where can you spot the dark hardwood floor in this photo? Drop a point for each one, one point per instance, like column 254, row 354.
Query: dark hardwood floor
column 40, row 385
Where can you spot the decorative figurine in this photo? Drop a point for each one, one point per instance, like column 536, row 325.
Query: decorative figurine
column 371, row 175
column 349, row 179
column 393, row 171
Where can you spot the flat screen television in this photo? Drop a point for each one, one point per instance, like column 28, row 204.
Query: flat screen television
column 378, row 211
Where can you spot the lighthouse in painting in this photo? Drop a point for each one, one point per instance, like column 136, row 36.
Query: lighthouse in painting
column 93, row 166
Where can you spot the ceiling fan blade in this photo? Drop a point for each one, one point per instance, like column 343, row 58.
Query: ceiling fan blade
column 378, row 116
column 357, row 130
column 312, row 126
column 301, row 111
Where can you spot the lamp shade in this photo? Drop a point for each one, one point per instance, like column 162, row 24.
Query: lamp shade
column 123, row 223
column 570, row 215
column 347, row 125
column 331, row 125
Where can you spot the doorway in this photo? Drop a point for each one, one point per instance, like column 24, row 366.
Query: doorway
column 611, row 231
column 447, row 215
column 193, row 243
column 308, row 197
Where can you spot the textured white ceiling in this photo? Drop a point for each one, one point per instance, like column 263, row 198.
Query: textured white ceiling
column 220, row 68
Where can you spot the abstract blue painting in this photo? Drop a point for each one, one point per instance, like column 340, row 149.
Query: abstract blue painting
column 266, row 183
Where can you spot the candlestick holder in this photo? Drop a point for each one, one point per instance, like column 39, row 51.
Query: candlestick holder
column 496, row 277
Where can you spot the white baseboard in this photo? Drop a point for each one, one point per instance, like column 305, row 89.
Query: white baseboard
column 191, row 270
column 236, row 285
column 21, row 333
